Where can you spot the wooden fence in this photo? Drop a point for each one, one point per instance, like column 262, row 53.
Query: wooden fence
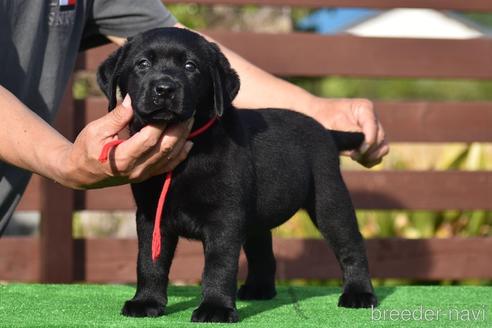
column 56, row 257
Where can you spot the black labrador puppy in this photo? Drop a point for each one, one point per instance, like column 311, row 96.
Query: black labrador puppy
column 248, row 173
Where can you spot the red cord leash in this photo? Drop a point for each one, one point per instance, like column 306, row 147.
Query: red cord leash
column 156, row 235
column 107, row 148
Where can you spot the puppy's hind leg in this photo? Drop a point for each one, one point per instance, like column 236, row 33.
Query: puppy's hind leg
column 332, row 212
column 152, row 278
column 260, row 283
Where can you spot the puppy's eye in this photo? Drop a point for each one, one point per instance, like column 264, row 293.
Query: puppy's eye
column 143, row 64
column 190, row 66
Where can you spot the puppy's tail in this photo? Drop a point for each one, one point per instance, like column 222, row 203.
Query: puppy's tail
column 347, row 140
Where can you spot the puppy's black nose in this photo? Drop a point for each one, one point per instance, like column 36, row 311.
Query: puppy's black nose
column 165, row 88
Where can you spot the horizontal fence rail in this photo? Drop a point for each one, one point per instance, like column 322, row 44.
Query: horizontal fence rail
column 426, row 190
column 305, row 54
column 436, row 121
column 347, row 55
column 467, row 5
column 114, row 260
column 403, row 121
column 411, row 190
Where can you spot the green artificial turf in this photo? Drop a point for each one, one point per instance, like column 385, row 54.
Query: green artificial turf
column 34, row 305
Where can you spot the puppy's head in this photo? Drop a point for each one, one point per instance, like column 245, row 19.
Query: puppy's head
column 170, row 74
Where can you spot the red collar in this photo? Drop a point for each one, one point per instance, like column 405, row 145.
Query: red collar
column 203, row 128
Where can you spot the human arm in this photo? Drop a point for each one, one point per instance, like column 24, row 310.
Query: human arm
column 28, row 142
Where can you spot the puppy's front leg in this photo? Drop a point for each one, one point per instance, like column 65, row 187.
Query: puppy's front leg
column 152, row 278
column 222, row 249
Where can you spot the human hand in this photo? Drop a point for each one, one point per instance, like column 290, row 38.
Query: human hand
column 354, row 115
column 153, row 150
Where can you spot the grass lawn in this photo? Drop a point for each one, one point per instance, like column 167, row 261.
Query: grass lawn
column 34, row 305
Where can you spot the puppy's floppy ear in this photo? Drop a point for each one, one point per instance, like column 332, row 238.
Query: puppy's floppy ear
column 109, row 72
column 225, row 80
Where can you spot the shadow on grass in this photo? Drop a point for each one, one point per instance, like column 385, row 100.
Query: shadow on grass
column 183, row 305
column 293, row 296
column 287, row 295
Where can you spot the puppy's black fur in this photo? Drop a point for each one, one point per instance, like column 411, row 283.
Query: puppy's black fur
column 247, row 174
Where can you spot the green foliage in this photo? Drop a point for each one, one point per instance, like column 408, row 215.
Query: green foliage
column 190, row 15
column 80, row 88
column 483, row 19
column 299, row 13
column 386, row 224
column 397, row 89
column 300, row 226
column 250, row 9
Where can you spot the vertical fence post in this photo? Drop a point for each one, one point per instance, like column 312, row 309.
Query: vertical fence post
column 57, row 207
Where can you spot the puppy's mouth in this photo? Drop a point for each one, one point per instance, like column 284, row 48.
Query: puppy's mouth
column 159, row 101
column 142, row 119
column 159, row 116
column 161, row 112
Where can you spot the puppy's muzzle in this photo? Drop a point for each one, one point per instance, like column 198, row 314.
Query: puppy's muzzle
column 165, row 89
column 162, row 90
column 161, row 101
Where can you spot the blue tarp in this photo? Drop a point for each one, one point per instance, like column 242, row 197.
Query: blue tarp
column 335, row 20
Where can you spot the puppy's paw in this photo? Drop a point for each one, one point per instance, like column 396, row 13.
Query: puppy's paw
column 357, row 300
column 142, row 308
column 214, row 313
column 256, row 292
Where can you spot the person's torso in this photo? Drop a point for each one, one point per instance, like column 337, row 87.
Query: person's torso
column 39, row 42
